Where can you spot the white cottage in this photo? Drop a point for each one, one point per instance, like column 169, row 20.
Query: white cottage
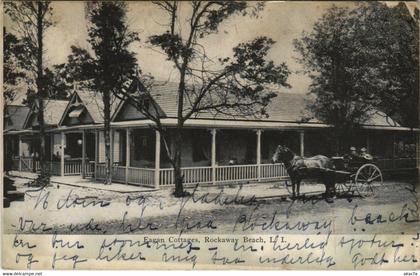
column 217, row 148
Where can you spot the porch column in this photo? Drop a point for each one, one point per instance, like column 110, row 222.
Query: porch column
column 51, row 147
column 213, row 155
column 96, row 151
column 83, row 154
column 20, row 153
column 111, row 152
column 302, row 143
column 62, row 153
column 157, row 159
column 259, row 154
column 127, row 153
column 394, row 150
column 111, row 148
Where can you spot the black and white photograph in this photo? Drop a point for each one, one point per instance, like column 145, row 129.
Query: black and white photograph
column 211, row 135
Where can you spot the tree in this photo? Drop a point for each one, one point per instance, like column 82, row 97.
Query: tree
column 13, row 60
column 31, row 19
column 61, row 79
column 398, row 35
column 238, row 85
column 352, row 59
column 112, row 64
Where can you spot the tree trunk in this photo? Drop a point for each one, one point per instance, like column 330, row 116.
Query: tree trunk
column 107, row 134
column 41, row 156
column 179, row 179
column 179, row 186
column 40, row 92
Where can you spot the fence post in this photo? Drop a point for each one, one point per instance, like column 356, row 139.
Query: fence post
column 157, row 159
column 213, row 155
column 259, row 155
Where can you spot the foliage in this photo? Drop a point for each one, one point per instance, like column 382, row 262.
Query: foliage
column 110, row 38
column 13, row 69
column 398, row 35
column 359, row 62
column 30, row 20
column 79, row 70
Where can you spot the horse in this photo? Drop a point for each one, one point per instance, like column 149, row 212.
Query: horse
column 299, row 168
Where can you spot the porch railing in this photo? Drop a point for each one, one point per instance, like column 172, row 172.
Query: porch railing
column 141, row 176
column 224, row 174
column 90, row 168
column 191, row 175
column 135, row 176
column 236, row 173
column 73, row 167
column 27, row 164
column 100, row 171
column 273, row 171
column 55, row 167
column 118, row 174
column 397, row 164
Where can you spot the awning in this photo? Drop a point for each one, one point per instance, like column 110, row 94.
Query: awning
column 76, row 113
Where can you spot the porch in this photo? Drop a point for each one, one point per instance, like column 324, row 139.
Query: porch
column 222, row 156
column 210, row 156
column 67, row 154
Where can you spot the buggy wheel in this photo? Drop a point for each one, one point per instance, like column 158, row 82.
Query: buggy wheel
column 343, row 188
column 368, row 179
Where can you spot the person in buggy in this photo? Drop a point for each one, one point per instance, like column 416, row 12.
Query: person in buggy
column 362, row 156
column 365, row 155
column 353, row 153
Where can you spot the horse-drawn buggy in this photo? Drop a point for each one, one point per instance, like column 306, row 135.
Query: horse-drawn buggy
column 349, row 174
column 357, row 175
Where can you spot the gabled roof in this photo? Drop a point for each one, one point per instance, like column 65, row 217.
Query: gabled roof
column 92, row 102
column 161, row 93
column 53, row 111
column 15, row 117
column 286, row 107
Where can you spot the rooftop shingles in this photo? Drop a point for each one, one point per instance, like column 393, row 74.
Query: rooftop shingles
column 16, row 116
column 53, row 110
column 94, row 104
column 286, row 107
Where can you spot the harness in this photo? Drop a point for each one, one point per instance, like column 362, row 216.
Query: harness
column 292, row 163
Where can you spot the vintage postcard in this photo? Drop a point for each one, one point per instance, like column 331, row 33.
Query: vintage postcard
column 210, row 135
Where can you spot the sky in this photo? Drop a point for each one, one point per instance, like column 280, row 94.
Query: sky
column 281, row 21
